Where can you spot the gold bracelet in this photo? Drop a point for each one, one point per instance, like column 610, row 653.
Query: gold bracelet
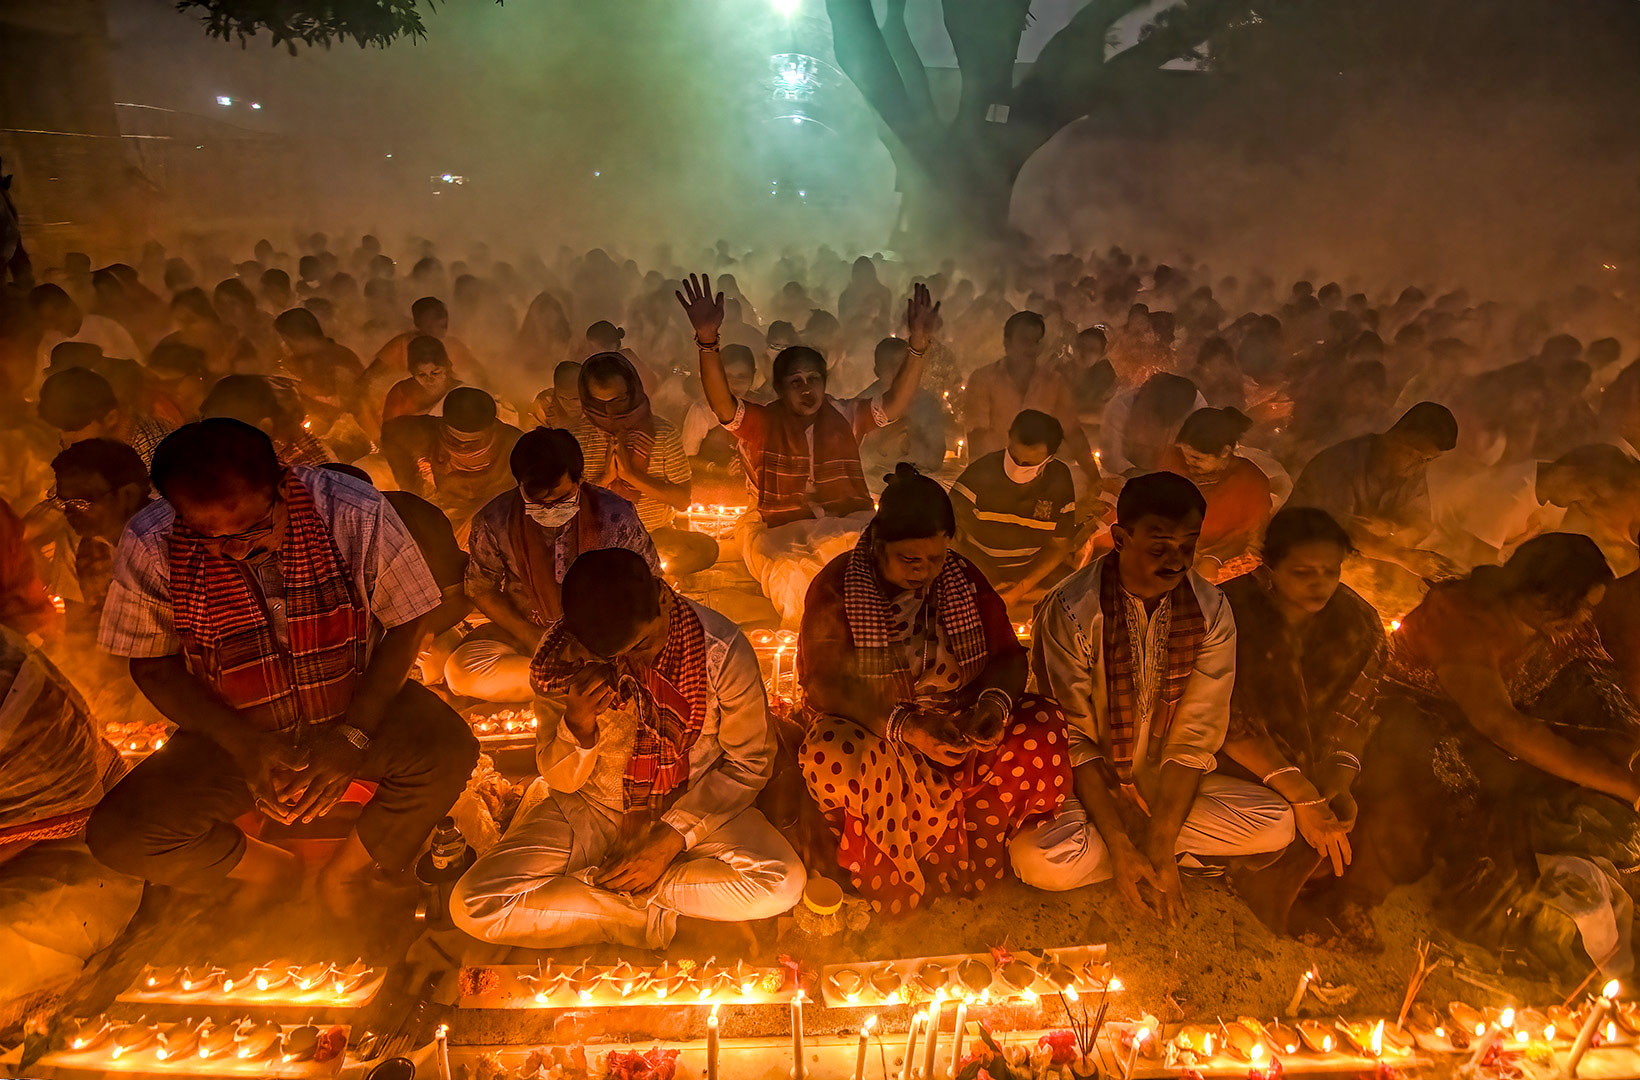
column 708, row 346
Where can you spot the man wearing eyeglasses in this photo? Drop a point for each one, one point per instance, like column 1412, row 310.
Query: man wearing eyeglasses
column 273, row 615
column 523, row 541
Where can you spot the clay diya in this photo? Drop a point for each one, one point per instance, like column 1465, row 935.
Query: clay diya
column 1283, row 1038
column 1359, row 1036
column 847, row 984
column 196, row 980
column 131, row 1037
column 345, row 980
column 308, row 976
column 886, row 981
column 745, row 977
column 1471, row 1020
column 176, row 1040
column 1241, row 1042
column 256, row 1039
column 159, row 978
column 583, row 981
column 626, row 979
column 1018, row 974
column 241, row 978
column 90, row 1033
column 300, row 1044
column 1318, row 1037
column 273, row 975
column 975, row 975
column 215, row 1040
column 930, row 977
column 667, row 980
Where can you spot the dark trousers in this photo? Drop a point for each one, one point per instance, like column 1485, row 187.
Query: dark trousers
column 171, row 820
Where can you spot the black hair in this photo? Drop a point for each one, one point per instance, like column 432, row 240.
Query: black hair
column 889, row 350
column 739, row 356
column 1430, row 423
column 1213, row 431
column 545, row 456
column 782, row 329
column 210, row 459
column 426, row 349
column 912, row 507
column 232, row 289
column 567, row 369
column 249, row 399
column 469, row 409
column 47, row 294
column 604, row 332
column 1556, row 568
column 1295, row 525
column 1093, row 333
column 274, row 278
column 605, row 368
column 1166, row 495
column 177, row 358
column 1020, row 320
column 608, row 595
column 1036, row 428
column 116, row 462
column 299, row 323
column 196, row 301
column 427, row 305
column 74, row 397
column 797, row 356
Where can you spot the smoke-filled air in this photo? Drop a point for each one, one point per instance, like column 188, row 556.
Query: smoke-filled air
column 835, row 539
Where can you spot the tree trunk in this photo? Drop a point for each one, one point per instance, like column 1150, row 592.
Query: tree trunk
column 959, row 208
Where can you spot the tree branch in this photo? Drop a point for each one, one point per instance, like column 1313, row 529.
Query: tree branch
column 913, row 73
column 864, row 56
column 985, row 35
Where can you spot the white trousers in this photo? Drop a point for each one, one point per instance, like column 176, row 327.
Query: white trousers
column 489, row 670
column 786, row 559
column 529, row 890
column 1229, row 817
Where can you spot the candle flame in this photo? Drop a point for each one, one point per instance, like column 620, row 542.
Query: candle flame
column 204, row 1051
column 1326, row 1044
column 540, row 997
column 162, row 1053
column 1507, row 1020
column 801, row 996
column 1071, row 994
column 1480, row 1030
column 117, row 1051
column 1378, row 1039
column 1440, row 1033
column 442, row 1032
column 1611, row 990
column 746, row 988
column 227, row 985
column 1115, row 984
column 1611, row 1032
column 585, row 995
column 1207, row 1044
column 1256, row 1053
column 1549, row 1033
column 660, row 991
column 715, row 1008
column 871, row 1022
column 1028, row 995
column 851, row 998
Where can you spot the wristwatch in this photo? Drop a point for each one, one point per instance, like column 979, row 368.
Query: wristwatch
column 359, row 739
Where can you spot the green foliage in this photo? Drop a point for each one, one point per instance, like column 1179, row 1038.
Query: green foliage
column 310, row 22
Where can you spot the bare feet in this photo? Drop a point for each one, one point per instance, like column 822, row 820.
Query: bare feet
column 702, row 939
column 265, row 876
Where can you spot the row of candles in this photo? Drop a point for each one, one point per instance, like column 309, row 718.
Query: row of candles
column 280, row 978
column 243, row 1040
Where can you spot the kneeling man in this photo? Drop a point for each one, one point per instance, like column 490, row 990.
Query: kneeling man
column 273, row 614
column 1140, row 651
column 654, row 742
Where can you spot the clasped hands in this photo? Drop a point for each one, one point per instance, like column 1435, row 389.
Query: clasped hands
column 947, row 736
column 297, row 782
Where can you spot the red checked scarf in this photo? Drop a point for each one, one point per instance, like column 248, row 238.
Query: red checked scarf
column 670, row 697
column 637, row 423
column 228, row 639
column 1186, row 629
column 778, row 464
column 880, row 643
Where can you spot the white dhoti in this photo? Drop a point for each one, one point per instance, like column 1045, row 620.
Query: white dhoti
column 786, row 559
column 529, row 890
column 1229, row 817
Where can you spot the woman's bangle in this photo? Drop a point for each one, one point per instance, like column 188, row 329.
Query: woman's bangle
column 897, row 718
column 1309, row 802
column 708, row 346
column 997, row 694
column 1267, row 777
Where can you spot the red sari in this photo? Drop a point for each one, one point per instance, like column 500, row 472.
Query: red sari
column 907, row 827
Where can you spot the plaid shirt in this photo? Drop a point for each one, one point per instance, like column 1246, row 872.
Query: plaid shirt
column 804, row 472
column 386, row 567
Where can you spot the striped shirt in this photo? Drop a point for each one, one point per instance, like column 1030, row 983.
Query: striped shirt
column 1008, row 522
column 668, row 464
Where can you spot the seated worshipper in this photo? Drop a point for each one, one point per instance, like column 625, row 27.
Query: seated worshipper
column 1599, row 486
column 80, row 404
column 802, row 453
column 654, row 742
column 251, row 399
column 1016, row 511
column 1021, row 380
column 25, row 606
column 709, row 444
column 272, row 614
column 1309, row 653
column 1376, row 486
column 917, row 437
column 237, row 306
column 1140, row 652
column 431, row 319
column 924, row 753
column 436, row 540
column 458, row 460
column 1140, row 424
column 61, row 319
column 175, row 382
column 327, row 372
column 639, row 456
column 101, row 485
column 1236, row 490
column 559, row 406
column 58, row 905
column 1505, row 750
column 523, row 542
column 198, row 325
column 431, row 378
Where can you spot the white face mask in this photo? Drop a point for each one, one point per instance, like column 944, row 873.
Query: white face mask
column 554, row 515
column 1021, row 474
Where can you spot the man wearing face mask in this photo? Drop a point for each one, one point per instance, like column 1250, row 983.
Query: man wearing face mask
column 464, row 454
column 273, row 615
column 802, row 452
column 523, row 542
column 1140, row 651
column 1016, row 510
column 654, row 739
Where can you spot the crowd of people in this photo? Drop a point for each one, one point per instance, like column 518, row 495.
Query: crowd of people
column 1104, row 570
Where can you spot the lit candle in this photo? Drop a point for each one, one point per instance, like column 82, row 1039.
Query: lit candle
column 932, row 1048
column 442, row 1038
column 865, row 1042
column 1585, row 1036
column 712, row 1045
column 1303, row 988
column 1134, row 1046
column 797, row 1035
column 911, row 1045
column 956, row 1036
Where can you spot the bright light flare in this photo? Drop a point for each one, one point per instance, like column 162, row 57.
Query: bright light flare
column 787, row 8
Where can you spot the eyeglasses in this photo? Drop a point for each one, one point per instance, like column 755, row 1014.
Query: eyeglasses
column 239, row 545
column 70, row 506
